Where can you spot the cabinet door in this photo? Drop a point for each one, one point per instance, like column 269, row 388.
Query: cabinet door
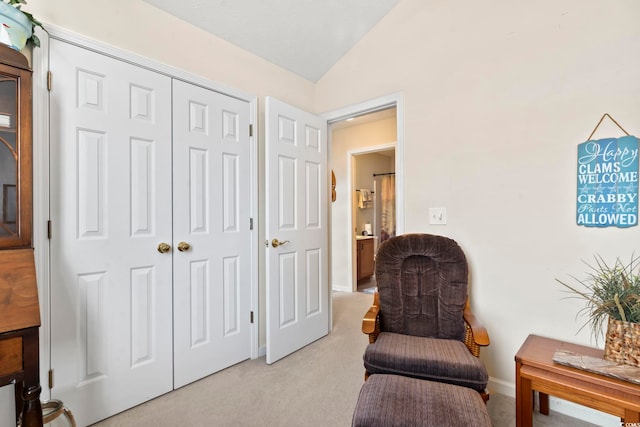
column 15, row 152
column 365, row 258
column 359, row 262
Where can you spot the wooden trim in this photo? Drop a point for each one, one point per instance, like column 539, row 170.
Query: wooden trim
column 14, row 58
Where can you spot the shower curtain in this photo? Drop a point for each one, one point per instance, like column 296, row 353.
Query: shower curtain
column 388, row 201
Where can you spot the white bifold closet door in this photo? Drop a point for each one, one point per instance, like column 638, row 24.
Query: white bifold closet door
column 211, row 193
column 132, row 168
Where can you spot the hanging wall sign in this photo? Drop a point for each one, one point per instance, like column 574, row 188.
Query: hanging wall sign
column 608, row 183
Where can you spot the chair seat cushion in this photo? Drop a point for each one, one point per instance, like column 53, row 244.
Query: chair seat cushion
column 434, row 359
column 392, row 400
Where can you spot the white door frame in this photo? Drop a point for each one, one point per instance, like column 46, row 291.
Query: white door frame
column 41, row 156
column 373, row 105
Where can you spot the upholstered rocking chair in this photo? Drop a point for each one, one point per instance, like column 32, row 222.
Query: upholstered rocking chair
column 420, row 324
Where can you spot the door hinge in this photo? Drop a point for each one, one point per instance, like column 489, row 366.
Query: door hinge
column 50, row 378
column 250, row 130
column 250, row 223
column 252, row 317
column 49, row 80
column 49, row 229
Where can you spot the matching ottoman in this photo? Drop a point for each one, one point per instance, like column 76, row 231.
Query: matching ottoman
column 393, row 400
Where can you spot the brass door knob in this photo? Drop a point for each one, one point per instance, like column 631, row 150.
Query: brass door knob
column 183, row 246
column 275, row 243
column 163, row 248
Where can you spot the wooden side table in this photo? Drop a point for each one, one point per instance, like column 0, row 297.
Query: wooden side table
column 535, row 370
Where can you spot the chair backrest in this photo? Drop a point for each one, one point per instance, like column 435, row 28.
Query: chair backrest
column 422, row 285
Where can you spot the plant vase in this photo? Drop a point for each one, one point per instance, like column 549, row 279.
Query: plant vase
column 15, row 27
column 622, row 342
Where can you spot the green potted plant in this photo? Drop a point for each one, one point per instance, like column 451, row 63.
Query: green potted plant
column 612, row 293
column 17, row 27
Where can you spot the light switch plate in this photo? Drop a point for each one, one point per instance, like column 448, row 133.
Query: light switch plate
column 438, row 216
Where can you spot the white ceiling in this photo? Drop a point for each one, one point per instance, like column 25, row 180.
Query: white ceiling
column 305, row 37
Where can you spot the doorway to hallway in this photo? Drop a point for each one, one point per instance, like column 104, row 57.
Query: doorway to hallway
column 363, row 145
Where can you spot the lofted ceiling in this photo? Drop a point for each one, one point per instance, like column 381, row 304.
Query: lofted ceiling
column 305, row 37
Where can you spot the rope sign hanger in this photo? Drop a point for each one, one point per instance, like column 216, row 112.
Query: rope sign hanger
column 610, row 118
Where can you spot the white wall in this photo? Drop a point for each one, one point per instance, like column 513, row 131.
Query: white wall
column 343, row 142
column 497, row 96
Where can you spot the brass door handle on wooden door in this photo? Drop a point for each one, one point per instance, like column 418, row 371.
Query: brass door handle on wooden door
column 183, row 246
column 163, row 248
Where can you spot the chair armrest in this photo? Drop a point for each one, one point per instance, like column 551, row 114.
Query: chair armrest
column 370, row 320
column 479, row 332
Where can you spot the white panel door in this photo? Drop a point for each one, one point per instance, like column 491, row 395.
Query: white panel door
column 296, row 207
column 211, row 188
column 111, row 323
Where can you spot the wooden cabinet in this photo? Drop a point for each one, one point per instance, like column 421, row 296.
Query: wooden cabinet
column 365, row 258
column 15, row 150
column 19, row 308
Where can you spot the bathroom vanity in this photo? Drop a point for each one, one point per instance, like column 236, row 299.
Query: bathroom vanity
column 366, row 252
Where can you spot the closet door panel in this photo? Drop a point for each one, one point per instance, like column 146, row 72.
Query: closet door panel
column 211, row 190
column 111, row 290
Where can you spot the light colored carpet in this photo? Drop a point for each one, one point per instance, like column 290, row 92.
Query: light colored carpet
column 316, row 386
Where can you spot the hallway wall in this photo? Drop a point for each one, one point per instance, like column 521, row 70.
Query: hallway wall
column 344, row 141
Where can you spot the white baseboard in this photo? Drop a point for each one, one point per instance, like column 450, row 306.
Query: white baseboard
column 262, row 351
column 501, row 387
column 558, row 405
column 341, row 288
